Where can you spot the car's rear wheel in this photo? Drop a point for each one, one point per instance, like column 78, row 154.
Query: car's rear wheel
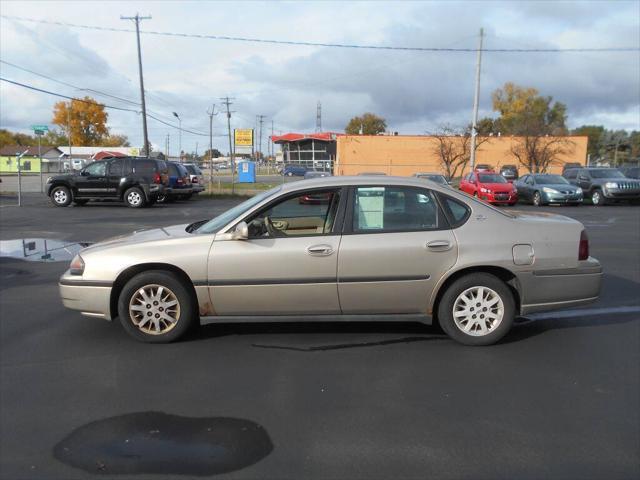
column 156, row 307
column 477, row 309
column 134, row 197
column 60, row 196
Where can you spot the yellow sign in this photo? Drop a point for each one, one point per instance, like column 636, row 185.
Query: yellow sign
column 243, row 137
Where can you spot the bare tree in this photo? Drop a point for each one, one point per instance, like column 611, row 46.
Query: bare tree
column 537, row 153
column 453, row 148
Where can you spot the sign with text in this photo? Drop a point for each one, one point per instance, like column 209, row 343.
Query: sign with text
column 243, row 137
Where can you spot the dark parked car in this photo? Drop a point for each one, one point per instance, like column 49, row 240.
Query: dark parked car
column 297, row 170
column 316, row 174
column 543, row 189
column 179, row 184
column 196, row 176
column 135, row 181
column 481, row 167
column 509, row 172
column 604, row 185
column 569, row 165
column 434, row 177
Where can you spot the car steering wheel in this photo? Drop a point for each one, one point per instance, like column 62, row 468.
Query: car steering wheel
column 273, row 231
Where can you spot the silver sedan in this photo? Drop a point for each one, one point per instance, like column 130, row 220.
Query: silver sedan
column 340, row 248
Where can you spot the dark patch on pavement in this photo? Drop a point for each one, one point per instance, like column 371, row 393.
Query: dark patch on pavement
column 159, row 443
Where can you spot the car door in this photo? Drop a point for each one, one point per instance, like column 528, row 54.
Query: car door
column 115, row 170
column 525, row 187
column 92, row 181
column 584, row 180
column 288, row 264
column 395, row 246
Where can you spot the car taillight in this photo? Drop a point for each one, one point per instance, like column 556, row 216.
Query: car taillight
column 195, row 180
column 179, row 181
column 583, row 250
column 157, row 178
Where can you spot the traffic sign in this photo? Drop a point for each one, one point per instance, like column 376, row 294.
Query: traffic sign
column 39, row 129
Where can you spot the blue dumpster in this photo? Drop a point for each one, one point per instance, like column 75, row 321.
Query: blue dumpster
column 247, row 172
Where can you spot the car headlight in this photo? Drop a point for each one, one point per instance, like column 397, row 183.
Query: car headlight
column 611, row 185
column 77, row 266
column 49, row 179
column 579, row 191
column 549, row 190
column 485, row 190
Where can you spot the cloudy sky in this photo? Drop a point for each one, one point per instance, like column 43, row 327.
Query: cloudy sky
column 415, row 91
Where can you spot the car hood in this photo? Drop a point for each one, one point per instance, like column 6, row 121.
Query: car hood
column 569, row 188
column 497, row 187
column 141, row 236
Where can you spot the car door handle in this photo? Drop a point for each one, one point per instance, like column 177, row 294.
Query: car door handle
column 439, row 245
column 320, row 250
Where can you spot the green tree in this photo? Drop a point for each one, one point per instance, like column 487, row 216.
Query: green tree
column 367, row 124
column 596, row 134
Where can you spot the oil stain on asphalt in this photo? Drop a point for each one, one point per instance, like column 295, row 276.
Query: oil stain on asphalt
column 159, row 443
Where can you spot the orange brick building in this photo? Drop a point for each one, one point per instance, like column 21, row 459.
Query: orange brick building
column 404, row 155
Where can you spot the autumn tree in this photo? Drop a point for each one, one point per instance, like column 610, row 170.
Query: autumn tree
column 367, row 124
column 115, row 141
column 537, row 123
column 86, row 119
column 453, row 149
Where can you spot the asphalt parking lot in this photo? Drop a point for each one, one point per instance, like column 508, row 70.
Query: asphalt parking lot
column 558, row 398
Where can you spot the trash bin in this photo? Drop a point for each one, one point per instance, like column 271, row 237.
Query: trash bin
column 247, row 172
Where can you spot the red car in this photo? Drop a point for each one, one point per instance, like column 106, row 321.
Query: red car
column 489, row 186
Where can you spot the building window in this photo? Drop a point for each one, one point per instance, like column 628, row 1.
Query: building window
column 26, row 165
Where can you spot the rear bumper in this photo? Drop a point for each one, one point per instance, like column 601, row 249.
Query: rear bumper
column 92, row 299
column 542, row 291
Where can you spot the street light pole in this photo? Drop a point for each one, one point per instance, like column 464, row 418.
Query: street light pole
column 179, row 135
column 476, row 101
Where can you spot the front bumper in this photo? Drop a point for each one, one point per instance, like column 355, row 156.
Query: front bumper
column 542, row 291
column 90, row 298
column 499, row 198
column 621, row 194
column 562, row 197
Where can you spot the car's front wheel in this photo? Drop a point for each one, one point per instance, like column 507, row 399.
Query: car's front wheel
column 134, row 197
column 537, row 199
column 156, row 307
column 597, row 198
column 61, row 196
column 477, row 309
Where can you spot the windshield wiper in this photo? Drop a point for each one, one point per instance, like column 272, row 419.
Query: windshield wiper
column 192, row 227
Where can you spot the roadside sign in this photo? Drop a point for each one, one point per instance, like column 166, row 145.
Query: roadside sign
column 243, row 137
column 39, row 129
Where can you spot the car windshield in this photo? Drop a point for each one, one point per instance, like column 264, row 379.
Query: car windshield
column 551, row 180
column 491, row 178
column 215, row 224
column 606, row 173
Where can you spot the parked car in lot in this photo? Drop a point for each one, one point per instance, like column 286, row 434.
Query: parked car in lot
column 291, row 170
column 484, row 167
column 384, row 248
column 604, row 185
column 195, row 176
column 569, row 165
column 543, row 189
column 135, row 181
column 179, row 184
column 509, row 172
column 434, row 177
column 489, row 186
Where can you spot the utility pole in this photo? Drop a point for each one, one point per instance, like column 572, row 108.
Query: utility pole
column 226, row 101
column 179, row 135
column 476, row 101
column 260, row 122
column 319, row 117
column 166, row 147
column 211, row 114
column 137, row 19
column 68, row 133
column 271, row 143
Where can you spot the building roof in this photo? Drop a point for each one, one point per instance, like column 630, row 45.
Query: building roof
column 90, row 151
column 13, row 150
column 298, row 137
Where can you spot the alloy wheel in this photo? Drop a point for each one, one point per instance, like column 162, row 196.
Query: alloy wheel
column 478, row 311
column 134, row 198
column 536, row 199
column 60, row 196
column 154, row 309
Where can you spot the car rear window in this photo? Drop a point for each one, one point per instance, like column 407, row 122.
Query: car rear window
column 145, row 167
column 174, row 170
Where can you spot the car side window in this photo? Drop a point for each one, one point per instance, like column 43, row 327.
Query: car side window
column 96, row 169
column 456, row 211
column 115, row 168
column 472, row 177
column 144, row 167
column 307, row 213
column 394, row 209
column 570, row 174
column 530, row 181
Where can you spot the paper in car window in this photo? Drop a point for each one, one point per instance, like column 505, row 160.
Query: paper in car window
column 371, row 208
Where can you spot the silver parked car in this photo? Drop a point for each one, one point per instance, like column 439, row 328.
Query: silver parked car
column 372, row 248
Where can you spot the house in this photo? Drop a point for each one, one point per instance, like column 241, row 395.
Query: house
column 30, row 161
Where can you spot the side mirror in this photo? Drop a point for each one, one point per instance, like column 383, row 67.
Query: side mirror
column 241, row 231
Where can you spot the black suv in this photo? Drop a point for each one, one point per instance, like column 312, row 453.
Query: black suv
column 509, row 172
column 132, row 180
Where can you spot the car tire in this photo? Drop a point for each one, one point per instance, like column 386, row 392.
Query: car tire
column 469, row 327
column 80, row 203
column 61, row 196
column 537, row 199
column 134, row 198
column 167, row 316
column 597, row 198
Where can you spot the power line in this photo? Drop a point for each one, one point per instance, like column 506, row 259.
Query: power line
column 322, row 44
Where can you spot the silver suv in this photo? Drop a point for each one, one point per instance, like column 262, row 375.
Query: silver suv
column 604, row 185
